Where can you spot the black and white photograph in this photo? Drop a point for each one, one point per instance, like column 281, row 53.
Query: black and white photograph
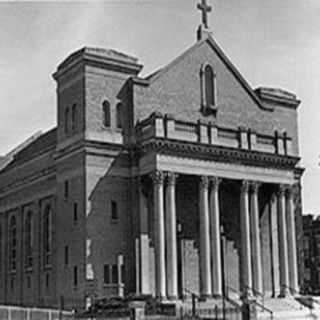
column 160, row 160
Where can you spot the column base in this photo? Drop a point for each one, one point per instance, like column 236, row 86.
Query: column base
column 217, row 296
column 173, row 298
column 205, row 296
column 162, row 298
column 247, row 295
column 284, row 293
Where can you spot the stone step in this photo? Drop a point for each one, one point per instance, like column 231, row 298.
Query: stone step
column 285, row 309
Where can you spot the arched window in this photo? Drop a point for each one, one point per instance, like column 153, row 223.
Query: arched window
column 66, row 121
column 47, row 233
column 119, row 116
column 13, row 243
column 74, row 118
column 210, row 89
column 29, row 239
column 106, row 113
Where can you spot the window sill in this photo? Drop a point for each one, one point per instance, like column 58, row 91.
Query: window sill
column 209, row 110
column 111, row 129
column 28, row 269
column 114, row 221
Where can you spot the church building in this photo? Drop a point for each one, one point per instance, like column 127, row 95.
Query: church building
column 184, row 181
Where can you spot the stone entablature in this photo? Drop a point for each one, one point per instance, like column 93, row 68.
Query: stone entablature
column 165, row 126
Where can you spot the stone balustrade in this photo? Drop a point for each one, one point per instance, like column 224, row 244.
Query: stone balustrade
column 165, row 126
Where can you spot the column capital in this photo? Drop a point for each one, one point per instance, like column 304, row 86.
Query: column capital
column 215, row 182
column 282, row 190
column 245, row 186
column 204, row 182
column 157, row 177
column 289, row 191
column 171, row 178
column 254, row 186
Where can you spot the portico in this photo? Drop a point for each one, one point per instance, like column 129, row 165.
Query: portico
column 210, row 266
column 210, row 222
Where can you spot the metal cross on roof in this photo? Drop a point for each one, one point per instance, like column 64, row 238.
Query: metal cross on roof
column 205, row 9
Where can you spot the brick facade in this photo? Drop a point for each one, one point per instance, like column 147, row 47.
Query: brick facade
column 88, row 172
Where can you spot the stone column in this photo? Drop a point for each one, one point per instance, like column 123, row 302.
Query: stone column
column 274, row 246
column 204, row 233
column 292, row 243
column 215, row 238
column 159, row 236
column 256, row 243
column 171, row 237
column 283, row 246
column 245, row 241
column 143, row 241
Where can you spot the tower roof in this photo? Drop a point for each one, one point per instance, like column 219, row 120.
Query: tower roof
column 100, row 55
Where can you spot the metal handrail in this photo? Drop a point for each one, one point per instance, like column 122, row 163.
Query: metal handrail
column 190, row 292
column 313, row 299
column 233, row 302
column 233, row 289
column 255, row 291
column 263, row 307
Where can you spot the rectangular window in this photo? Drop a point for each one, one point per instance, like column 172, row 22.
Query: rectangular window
column 75, row 276
column 28, row 282
column 66, row 189
column 106, row 274
column 47, row 280
column 66, row 255
column 114, row 210
column 75, row 212
column 114, row 274
column 123, row 274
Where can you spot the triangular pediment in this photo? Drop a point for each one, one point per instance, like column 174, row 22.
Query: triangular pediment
column 177, row 90
column 219, row 52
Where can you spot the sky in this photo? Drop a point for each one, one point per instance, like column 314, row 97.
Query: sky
column 272, row 43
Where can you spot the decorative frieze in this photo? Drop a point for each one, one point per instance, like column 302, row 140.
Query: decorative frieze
column 218, row 154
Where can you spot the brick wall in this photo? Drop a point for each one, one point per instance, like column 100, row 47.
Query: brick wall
column 106, row 182
column 71, row 227
column 177, row 91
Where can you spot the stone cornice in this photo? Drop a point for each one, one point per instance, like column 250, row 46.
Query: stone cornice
column 102, row 58
column 217, row 153
column 89, row 147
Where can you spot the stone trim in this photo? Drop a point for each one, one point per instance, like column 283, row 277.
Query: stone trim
column 218, row 153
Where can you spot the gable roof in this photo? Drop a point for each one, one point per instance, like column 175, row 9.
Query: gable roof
column 32, row 147
column 158, row 73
